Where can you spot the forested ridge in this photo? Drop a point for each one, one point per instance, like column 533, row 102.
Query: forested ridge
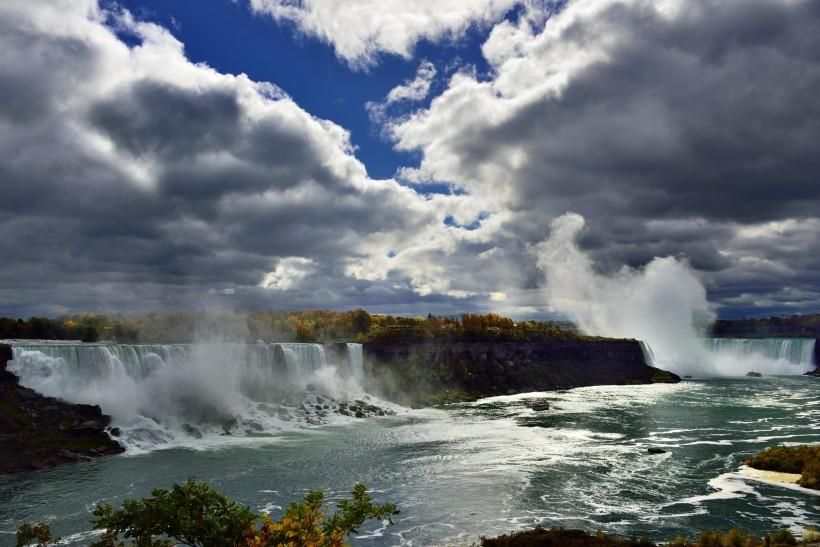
column 283, row 326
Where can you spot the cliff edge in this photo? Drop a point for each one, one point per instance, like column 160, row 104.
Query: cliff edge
column 37, row 432
column 423, row 374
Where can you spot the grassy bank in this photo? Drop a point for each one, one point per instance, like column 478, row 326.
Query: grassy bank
column 802, row 459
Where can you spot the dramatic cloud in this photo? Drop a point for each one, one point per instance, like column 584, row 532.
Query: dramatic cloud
column 131, row 175
column 360, row 30
column 673, row 127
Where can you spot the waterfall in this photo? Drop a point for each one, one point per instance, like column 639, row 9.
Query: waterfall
column 735, row 356
column 355, row 361
column 161, row 394
column 648, row 355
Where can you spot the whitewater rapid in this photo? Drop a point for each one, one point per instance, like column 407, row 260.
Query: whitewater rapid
column 726, row 357
column 162, row 396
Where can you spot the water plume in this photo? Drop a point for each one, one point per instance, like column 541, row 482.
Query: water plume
column 663, row 304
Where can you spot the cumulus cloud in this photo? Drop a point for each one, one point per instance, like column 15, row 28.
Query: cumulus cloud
column 133, row 177
column 671, row 126
column 410, row 91
column 288, row 273
column 361, row 30
column 416, row 89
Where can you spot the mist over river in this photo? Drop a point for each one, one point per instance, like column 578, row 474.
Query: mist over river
column 492, row 466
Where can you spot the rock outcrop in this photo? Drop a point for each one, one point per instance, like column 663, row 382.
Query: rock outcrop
column 37, row 432
column 422, row 374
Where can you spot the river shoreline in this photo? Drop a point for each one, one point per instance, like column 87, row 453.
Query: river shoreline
column 37, row 432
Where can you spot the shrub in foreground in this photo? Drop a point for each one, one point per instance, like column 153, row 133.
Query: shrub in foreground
column 195, row 514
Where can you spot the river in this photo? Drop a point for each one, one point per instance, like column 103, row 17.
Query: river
column 492, row 466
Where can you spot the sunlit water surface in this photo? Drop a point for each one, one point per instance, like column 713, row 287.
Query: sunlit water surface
column 492, row 466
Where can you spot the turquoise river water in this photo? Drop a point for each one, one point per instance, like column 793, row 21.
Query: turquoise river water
column 492, row 466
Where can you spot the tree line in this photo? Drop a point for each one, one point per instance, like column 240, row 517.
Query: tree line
column 792, row 326
column 282, row 326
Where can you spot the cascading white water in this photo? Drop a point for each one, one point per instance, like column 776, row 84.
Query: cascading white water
column 765, row 355
column 355, row 361
column 169, row 394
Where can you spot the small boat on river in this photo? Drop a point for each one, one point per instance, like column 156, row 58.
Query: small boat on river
column 540, row 404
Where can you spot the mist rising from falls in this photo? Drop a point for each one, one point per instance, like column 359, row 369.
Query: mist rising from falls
column 174, row 394
column 662, row 305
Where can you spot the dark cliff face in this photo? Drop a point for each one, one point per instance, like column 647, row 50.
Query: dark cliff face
column 428, row 373
column 38, row 432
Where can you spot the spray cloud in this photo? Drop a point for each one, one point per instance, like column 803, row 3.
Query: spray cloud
column 660, row 304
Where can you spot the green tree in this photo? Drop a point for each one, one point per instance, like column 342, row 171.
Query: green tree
column 195, row 514
column 191, row 514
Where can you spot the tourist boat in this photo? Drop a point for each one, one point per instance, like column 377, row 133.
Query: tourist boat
column 540, row 404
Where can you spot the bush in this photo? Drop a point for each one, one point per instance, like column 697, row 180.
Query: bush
column 305, row 525
column 801, row 459
column 559, row 537
column 38, row 532
column 195, row 514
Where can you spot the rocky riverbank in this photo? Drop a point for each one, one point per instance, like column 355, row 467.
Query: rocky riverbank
column 422, row 374
column 37, row 432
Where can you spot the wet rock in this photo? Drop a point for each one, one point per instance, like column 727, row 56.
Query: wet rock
column 424, row 373
column 191, row 431
column 38, row 432
column 227, row 423
column 114, row 431
column 655, row 450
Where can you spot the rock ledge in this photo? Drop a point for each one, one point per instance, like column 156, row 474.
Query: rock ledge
column 38, row 432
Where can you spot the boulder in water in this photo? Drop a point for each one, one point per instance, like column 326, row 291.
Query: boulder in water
column 192, row 431
column 655, row 450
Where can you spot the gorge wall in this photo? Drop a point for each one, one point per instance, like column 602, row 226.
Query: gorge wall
column 37, row 432
column 419, row 374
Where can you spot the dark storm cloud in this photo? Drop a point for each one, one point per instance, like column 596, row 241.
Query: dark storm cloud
column 644, row 117
column 133, row 179
column 170, row 122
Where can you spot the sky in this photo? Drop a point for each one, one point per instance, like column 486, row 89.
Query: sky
column 405, row 156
